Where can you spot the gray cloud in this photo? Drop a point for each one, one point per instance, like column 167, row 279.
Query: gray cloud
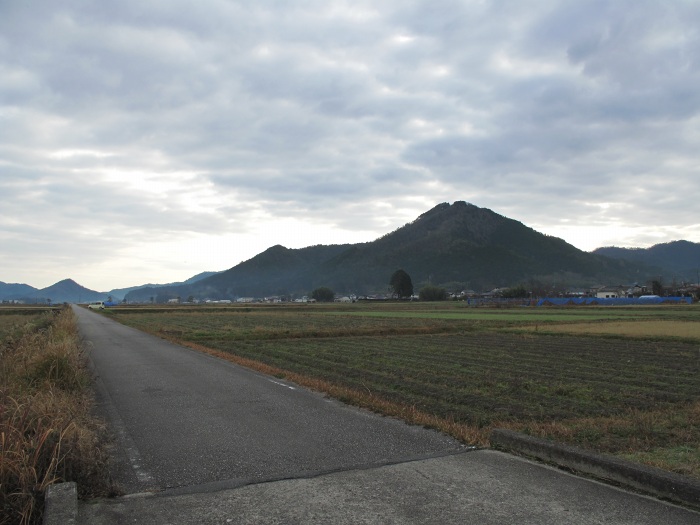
column 124, row 127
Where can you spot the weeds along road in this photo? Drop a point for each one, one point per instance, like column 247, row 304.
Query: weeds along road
column 185, row 420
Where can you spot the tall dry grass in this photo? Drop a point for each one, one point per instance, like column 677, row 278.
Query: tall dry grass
column 47, row 433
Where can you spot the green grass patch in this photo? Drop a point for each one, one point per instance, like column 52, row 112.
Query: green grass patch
column 682, row 459
column 518, row 316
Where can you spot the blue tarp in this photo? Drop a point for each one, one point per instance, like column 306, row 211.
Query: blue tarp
column 617, row 301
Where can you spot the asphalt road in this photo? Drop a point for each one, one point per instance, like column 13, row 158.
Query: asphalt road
column 203, row 441
column 185, row 420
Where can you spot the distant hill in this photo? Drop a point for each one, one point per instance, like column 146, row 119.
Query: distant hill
column 276, row 271
column 458, row 245
column 11, row 291
column 68, row 291
column 119, row 293
column 679, row 259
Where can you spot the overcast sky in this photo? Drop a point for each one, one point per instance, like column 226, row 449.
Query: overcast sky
column 147, row 141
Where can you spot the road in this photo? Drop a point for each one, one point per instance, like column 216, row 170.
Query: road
column 185, row 419
column 200, row 440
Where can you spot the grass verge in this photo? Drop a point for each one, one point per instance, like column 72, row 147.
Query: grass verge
column 47, row 432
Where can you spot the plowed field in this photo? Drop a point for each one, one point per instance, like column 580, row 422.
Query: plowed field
column 627, row 391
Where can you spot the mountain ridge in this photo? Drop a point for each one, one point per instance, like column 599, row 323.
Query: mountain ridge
column 64, row 291
column 679, row 258
column 457, row 245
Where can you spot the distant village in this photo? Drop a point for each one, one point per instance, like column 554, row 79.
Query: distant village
column 519, row 295
column 689, row 292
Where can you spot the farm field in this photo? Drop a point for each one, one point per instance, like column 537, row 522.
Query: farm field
column 622, row 381
column 666, row 328
column 13, row 318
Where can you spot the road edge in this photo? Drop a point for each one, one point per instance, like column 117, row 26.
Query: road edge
column 61, row 504
column 648, row 480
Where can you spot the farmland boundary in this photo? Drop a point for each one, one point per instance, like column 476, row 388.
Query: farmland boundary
column 649, row 480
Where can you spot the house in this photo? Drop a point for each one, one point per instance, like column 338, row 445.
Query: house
column 624, row 291
column 636, row 290
column 609, row 292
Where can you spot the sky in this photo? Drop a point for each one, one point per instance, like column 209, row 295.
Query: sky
column 146, row 142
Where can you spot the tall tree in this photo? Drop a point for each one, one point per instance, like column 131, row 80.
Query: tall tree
column 401, row 284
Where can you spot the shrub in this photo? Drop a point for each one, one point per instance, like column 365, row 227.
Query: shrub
column 432, row 293
column 323, row 295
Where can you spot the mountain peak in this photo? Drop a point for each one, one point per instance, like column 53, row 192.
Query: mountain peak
column 67, row 282
column 460, row 219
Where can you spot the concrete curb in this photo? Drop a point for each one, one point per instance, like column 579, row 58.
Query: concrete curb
column 649, row 480
column 61, row 504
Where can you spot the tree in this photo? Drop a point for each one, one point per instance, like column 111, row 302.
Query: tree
column 432, row 293
column 401, row 284
column 323, row 294
column 519, row 292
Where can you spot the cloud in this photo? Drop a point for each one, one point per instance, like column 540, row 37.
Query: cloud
column 125, row 127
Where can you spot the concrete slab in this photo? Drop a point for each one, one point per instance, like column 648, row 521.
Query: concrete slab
column 485, row 487
column 61, row 504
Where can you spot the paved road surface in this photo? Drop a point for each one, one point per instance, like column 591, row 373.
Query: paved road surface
column 186, row 419
column 204, row 441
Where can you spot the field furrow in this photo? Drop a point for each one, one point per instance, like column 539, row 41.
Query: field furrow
column 480, row 368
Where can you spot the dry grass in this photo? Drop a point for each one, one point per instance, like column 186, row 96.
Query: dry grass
column 641, row 329
column 47, row 434
column 660, row 438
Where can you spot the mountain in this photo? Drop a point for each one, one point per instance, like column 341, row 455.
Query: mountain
column 276, row 271
column 10, row 291
column 678, row 259
column 458, row 245
column 199, row 277
column 119, row 293
column 67, row 291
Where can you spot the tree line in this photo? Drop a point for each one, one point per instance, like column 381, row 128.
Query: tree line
column 400, row 286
